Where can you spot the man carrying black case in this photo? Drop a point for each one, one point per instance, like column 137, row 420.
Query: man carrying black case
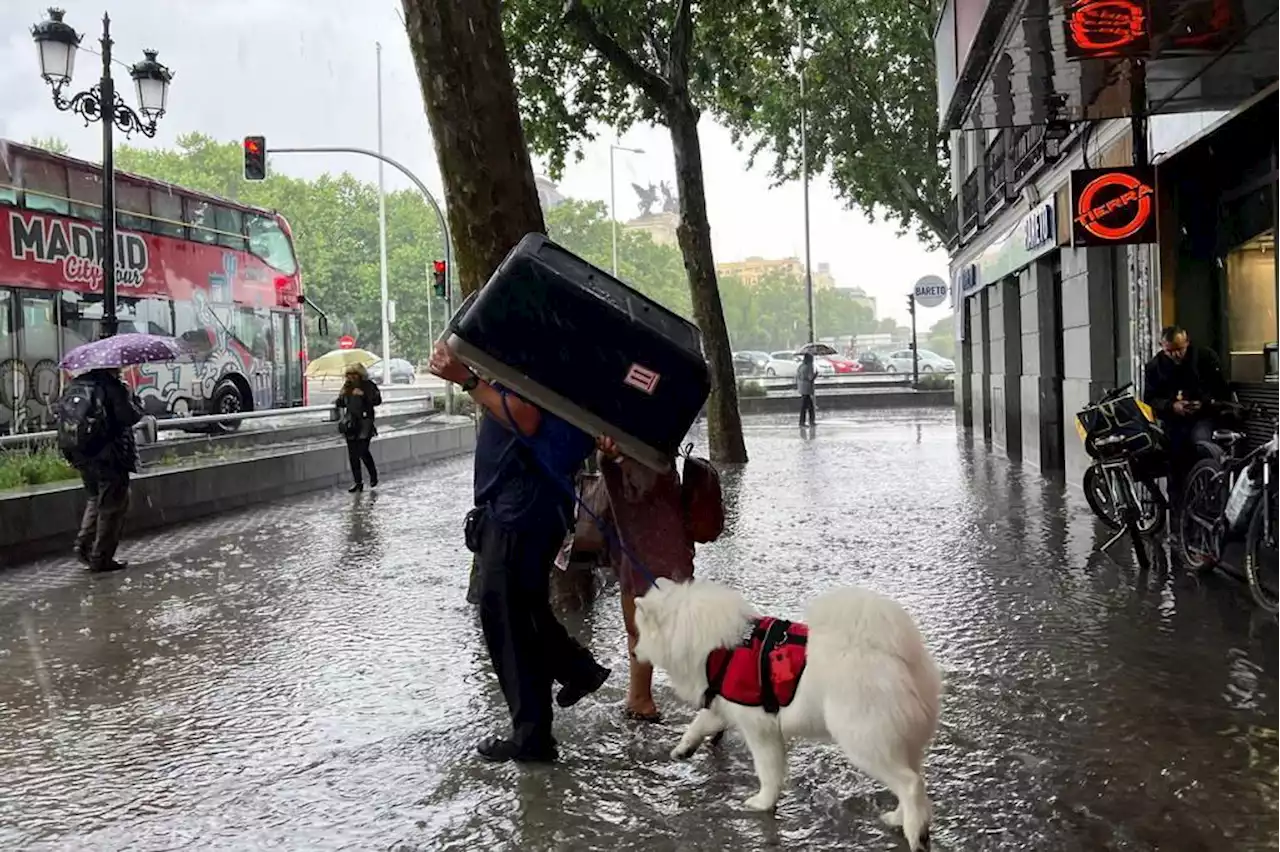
column 525, row 460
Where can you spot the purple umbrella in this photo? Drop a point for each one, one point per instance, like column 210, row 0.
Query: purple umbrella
column 121, row 351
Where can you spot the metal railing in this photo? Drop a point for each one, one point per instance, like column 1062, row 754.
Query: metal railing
column 970, row 202
column 996, row 172
column 1026, row 152
column 176, row 424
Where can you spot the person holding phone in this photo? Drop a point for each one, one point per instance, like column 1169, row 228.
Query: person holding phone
column 1181, row 383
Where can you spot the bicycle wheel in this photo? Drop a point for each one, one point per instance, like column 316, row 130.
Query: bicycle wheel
column 1097, row 493
column 1260, row 559
column 1202, row 504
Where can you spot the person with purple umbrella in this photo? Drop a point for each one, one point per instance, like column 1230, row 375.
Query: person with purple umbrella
column 96, row 415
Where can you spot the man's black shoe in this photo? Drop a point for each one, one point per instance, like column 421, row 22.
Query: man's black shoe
column 107, row 566
column 498, row 750
column 571, row 693
column 82, row 556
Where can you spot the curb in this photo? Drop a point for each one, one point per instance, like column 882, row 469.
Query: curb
column 44, row 519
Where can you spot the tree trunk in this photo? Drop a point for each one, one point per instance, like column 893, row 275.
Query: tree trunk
column 724, row 423
column 470, row 96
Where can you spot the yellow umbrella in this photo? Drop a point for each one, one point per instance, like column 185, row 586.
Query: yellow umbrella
column 335, row 363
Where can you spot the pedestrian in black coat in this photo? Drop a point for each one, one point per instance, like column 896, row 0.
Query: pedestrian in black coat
column 355, row 406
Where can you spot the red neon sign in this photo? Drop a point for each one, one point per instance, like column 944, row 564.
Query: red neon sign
column 1112, row 206
column 1100, row 28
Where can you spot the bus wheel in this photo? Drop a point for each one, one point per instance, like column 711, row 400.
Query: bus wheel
column 227, row 399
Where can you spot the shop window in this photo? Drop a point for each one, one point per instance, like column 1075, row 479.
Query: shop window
column 1251, row 305
column 166, row 214
column 44, row 185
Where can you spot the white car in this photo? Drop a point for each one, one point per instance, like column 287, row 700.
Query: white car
column 899, row 361
column 783, row 365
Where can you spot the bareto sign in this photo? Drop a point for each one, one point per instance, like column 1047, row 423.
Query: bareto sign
column 1113, row 207
column 931, row 291
column 346, row 341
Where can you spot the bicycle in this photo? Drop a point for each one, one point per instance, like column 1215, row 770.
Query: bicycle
column 1129, row 453
column 1229, row 499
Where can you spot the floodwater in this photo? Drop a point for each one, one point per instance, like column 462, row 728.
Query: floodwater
column 308, row 676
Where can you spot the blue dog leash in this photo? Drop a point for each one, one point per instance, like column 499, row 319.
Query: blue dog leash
column 606, row 528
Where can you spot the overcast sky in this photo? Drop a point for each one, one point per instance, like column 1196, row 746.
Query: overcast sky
column 303, row 72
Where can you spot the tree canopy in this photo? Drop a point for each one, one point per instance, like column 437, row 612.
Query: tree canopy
column 334, row 219
column 871, row 107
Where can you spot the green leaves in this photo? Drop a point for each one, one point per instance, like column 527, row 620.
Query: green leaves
column 871, row 113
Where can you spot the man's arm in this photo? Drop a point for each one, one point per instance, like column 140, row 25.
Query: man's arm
column 1154, row 392
column 375, row 394
column 124, row 410
column 525, row 418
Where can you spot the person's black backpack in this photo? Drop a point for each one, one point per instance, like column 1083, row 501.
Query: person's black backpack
column 83, row 430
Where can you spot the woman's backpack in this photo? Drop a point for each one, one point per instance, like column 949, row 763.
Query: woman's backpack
column 701, row 499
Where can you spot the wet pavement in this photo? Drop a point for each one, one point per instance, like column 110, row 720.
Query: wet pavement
column 307, row 675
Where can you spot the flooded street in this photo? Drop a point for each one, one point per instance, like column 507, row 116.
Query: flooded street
column 307, row 675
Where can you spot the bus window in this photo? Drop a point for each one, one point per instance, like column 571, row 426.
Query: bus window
column 8, row 195
column 9, row 379
column 86, row 194
column 44, row 185
column 267, row 242
column 38, row 350
column 166, row 214
column 133, row 206
column 200, row 221
column 230, row 228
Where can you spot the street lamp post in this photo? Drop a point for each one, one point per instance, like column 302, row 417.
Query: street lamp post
column 613, row 201
column 56, row 43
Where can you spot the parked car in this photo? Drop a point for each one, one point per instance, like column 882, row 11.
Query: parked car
column 401, row 372
column 750, row 362
column 930, row 362
column 872, row 362
column 783, row 365
column 839, row 363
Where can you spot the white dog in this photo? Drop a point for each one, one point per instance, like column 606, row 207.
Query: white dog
column 865, row 681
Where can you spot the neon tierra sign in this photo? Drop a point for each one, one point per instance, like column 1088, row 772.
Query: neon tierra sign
column 1107, row 27
column 1134, row 204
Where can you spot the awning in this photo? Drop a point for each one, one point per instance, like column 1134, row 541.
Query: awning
column 1070, row 60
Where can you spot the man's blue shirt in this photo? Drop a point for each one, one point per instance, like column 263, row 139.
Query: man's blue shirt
column 520, row 491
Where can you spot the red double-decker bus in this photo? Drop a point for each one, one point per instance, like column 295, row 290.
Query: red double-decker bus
column 221, row 276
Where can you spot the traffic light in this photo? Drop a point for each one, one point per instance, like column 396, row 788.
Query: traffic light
column 255, row 158
column 911, row 304
column 441, row 285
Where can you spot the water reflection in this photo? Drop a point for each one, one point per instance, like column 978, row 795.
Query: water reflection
column 308, row 675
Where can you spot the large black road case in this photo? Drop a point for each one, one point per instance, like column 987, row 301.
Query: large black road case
column 581, row 344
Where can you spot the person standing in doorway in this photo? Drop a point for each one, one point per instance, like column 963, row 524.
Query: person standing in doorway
column 96, row 416
column 806, row 374
column 355, row 406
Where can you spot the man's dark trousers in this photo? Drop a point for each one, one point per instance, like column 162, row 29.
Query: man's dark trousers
column 528, row 646
column 1184, row 434
column 106, row 505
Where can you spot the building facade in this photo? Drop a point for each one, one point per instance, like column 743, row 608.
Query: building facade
column 1062, row 273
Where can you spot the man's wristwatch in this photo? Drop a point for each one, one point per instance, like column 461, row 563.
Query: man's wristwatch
column 472, row 382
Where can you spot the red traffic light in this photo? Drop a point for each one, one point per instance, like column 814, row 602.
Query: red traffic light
column 255, row 158
column 439, row 267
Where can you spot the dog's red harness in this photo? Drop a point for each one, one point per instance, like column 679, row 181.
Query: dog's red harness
column 764, row 671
